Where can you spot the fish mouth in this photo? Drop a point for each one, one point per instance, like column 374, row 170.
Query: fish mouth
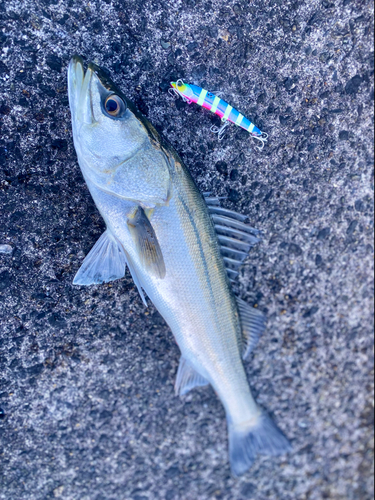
column 79, row 86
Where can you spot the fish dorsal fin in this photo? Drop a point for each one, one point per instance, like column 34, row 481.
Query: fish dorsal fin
column 253, row 324
column 105, row 262
column 235, row 237
column 146, row 243
column 236, row 240
column 187, row 378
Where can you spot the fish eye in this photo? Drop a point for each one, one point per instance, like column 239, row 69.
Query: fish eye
column 114, row 105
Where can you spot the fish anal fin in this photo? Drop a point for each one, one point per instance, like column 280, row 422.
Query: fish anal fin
column 105, row 262
column 146, row 243
column 187, row 378
column 253, row 323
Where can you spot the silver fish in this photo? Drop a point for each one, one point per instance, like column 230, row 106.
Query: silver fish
column 173, row 241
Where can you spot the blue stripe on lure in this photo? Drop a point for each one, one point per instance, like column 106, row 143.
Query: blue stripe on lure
column 193, row 93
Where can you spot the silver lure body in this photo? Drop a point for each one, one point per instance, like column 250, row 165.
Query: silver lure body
column 129, row 169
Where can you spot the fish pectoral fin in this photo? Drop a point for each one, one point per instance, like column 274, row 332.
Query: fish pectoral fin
column 187, row 378
column 253, row 324
column 105, row 262
column 146, row 243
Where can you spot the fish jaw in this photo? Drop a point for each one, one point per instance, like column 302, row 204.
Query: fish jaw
column 86, row 92
column 75, row 82
column 79, row 90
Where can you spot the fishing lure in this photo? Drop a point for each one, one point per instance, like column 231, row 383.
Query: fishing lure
column 210, row 101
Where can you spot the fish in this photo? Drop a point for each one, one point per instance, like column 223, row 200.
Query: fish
column 193, row 93
column 181, row 247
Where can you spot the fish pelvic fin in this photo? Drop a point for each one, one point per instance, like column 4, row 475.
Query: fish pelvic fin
column 258, row 436
column 253, row 323
column 187, row 378
column 105, row 262
column 136, row 279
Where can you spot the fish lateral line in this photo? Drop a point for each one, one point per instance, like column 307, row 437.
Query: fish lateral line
column 194, row 94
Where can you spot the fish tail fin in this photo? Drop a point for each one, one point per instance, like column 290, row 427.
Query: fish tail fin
column 259, row 436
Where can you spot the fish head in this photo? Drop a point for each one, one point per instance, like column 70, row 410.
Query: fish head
column 112, row 138
column 106, row 129
column 183, row 89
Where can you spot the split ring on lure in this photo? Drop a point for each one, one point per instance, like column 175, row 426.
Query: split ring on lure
column 193, row 93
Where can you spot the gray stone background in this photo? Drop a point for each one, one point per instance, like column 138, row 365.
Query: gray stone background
column 87, row 408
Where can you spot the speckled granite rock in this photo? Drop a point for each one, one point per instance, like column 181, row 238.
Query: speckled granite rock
column 87, row 409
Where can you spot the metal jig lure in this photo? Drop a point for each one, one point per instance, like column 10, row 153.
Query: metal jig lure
column 210, row 101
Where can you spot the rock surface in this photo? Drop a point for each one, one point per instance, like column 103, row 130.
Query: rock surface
column 87, row 408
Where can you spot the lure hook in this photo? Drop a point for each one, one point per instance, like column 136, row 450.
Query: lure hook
column 220, row 131
column 175, row 93
column 262, row 138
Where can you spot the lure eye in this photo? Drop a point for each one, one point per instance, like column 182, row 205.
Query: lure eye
column 114, row 105
column 179, row 84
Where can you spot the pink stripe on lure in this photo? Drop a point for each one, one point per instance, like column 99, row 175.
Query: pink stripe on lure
column 193, row 93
